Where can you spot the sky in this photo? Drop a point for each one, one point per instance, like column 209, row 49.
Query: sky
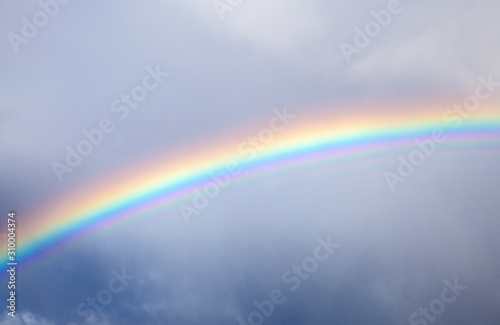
column 99, row 101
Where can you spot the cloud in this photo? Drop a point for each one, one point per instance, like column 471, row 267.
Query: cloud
column 25, row 318
column 225, row 78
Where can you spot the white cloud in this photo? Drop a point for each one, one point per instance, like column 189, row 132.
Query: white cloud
column 295, row 31
column 25, row 318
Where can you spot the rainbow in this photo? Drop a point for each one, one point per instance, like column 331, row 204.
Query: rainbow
column 164, row 182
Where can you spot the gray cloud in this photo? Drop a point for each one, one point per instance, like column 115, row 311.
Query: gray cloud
column 226, row 76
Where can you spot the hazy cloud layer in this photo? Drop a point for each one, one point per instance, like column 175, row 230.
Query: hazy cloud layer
column 226, row 75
